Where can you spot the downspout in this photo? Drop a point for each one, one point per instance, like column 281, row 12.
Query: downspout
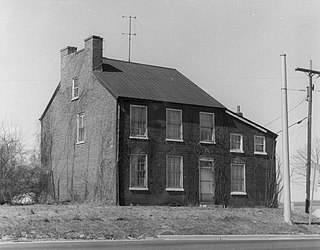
column 117, row 153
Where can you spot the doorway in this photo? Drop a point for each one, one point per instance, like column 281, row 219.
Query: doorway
column 206, row 180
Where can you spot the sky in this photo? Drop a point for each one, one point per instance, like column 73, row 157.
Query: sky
column 230, row 48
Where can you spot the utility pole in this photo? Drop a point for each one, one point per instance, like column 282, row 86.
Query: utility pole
column 285, row 143
column 310, row 73
column 129, row 34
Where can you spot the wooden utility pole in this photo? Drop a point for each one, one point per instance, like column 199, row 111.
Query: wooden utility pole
column 310, row 73
column 129, row 34
column 285, row 143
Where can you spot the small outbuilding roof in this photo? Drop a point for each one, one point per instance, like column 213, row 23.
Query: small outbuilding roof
column 141, row 81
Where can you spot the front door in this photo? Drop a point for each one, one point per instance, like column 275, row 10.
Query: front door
column 206, row 181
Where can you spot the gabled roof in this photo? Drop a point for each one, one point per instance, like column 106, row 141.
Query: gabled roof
column 251, row 123
column 50, row 101
column 147, row 82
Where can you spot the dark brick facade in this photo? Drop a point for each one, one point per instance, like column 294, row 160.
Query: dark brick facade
column 99, row 168
column 157, row 148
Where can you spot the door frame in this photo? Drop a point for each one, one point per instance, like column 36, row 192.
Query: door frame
column 213, row 175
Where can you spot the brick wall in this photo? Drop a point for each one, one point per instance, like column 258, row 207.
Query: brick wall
column 259, row 168
column 87, row 171
column 157, row 148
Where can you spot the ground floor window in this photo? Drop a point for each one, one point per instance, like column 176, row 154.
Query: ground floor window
column 238, row 180
column 138, row 171
column 174, row 169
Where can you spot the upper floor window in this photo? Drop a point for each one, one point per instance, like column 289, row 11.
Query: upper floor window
column 236, row 143
column 138, row 121
column 238, row 179
column 138, row 171
column 174, row 124
column 207, row 131
column 75, row 88
column 259, row 144
column 174, row 173
column 80, row 128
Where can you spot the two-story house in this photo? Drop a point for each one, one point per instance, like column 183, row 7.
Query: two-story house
column 127, row 133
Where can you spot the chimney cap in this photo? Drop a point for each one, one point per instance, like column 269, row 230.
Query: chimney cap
column 68, row 50
column 93, row 37
column 238, row 111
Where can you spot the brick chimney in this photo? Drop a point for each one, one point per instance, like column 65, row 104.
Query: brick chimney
column 239, row 113
column 64, row 53
column 95, row 44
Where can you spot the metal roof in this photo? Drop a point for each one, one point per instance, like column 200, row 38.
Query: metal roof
column 140, row 81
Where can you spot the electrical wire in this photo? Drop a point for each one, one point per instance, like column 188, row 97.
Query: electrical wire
column 304, row 99
column 298, row 122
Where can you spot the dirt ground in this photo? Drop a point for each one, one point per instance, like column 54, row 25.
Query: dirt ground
column 96, row 221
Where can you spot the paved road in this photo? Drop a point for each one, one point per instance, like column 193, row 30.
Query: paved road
column 170, row 244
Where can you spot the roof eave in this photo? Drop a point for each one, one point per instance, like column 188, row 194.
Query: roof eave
column 251, row 123
column 51, row 100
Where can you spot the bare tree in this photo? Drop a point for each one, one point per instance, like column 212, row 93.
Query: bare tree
column 299, row 160
column 12, row 157
column 20, row 170
column 275, row 185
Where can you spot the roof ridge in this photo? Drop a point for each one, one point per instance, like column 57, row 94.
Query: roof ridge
column 144, row 64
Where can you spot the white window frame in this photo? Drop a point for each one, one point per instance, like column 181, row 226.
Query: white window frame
column 244, row 191
column 145, row 187
column 145, row 136
column 80, row 117
column 181, row 126
column 181, row 174
column 213, row 137
column 240, row 150
column 264, row 145
column 73, row 90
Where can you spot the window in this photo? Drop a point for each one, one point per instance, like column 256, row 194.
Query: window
column 207, row 127
column 236, row 143
column 80, row 128
column 138, row 121
column 259, row 145
column 174, row 124
column 75, row 89
column 138, row 172
column 238, row 180
column 174, row 173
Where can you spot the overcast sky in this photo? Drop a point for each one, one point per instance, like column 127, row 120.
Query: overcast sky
column 230, row 48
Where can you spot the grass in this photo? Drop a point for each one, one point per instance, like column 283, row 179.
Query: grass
column 96, row 221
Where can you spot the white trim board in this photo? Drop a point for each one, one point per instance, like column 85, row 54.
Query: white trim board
column 246, row 121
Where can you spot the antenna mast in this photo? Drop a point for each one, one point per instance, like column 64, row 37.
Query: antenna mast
column 129, row 34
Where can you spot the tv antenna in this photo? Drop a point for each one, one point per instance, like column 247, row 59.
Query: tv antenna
column 129, row 34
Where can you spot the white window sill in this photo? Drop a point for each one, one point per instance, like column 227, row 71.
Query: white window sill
column 174, row 140
column 175, row 189
column 75, row 98
column 208, row 142
column 139, row 138
column 138, row 188
column 80, row 142
column 237, row 151
column 260, row 153
column 238, row 193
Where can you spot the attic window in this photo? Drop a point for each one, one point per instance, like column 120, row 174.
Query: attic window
column 109, row 68
column 75, row 89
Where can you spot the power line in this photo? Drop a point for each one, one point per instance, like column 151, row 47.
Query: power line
column 288, row 112
column 298, row 122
